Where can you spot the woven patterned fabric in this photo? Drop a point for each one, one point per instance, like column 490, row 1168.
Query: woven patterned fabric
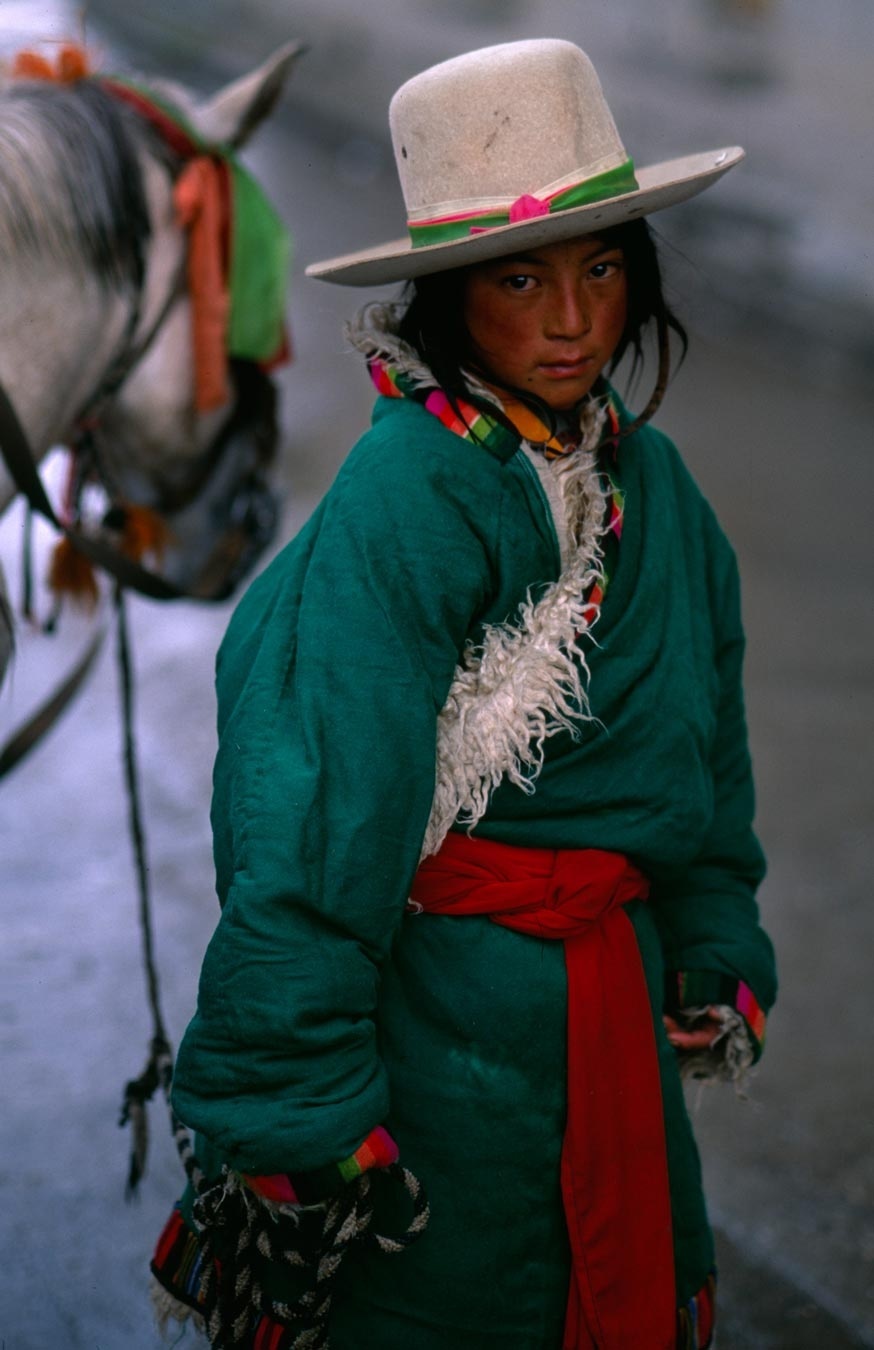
column 178, row 1261
column 310, row 1188
column 474, row 425
column 696, row 1321
column 178, row 1267
column 468, row 422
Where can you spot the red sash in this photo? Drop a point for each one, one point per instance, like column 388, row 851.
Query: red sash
column 614, row 1177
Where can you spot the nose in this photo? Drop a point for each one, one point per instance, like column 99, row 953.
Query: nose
column 569, row 315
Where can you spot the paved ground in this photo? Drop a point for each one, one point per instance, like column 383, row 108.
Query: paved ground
column 782, row 447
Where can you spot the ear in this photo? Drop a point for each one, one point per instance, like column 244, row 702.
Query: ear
column 234, row 112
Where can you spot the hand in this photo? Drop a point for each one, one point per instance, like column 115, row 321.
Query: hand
column 699, row 1036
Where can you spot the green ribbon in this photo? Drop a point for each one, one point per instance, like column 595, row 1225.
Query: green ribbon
column 612, row 183
column 259, row 263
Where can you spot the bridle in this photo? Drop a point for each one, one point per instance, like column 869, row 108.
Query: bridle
column 251, row 412
column 133, row 347
column 251, row 521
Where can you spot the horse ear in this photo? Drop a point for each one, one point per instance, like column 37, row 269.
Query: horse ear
column 234, row 112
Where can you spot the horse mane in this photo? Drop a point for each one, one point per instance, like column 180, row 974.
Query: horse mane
column 71, row 181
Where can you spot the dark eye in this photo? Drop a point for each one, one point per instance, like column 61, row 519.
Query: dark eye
column 601, row 270
column 518, row 281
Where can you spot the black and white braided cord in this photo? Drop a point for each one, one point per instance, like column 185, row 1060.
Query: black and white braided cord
column 265, row 1236
column 262, row 1235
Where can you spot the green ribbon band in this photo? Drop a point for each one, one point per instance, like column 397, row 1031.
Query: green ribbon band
column 258, row 281
column 612, row 183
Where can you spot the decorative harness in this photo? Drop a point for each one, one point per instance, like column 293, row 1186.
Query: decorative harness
column 235, row 272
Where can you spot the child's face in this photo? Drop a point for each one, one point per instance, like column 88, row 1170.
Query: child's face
column 548, row 321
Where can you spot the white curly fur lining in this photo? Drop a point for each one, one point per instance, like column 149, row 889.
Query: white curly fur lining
column 527, row 680
column 373, row 332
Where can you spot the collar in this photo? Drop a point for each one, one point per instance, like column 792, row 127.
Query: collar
column 397, row 371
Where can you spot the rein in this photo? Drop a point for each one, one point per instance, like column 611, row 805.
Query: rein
column 22, row 467
column 159, row 1067
column 130, row 353
column 251, row 526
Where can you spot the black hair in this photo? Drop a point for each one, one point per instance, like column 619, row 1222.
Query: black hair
column 433, row 323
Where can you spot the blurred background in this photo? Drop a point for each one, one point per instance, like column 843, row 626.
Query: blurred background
column 772, row 272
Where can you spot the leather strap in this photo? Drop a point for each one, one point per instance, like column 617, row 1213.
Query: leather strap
column 33, row 730
column 20, row 462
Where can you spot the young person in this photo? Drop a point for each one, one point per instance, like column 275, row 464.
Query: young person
column 483, row 806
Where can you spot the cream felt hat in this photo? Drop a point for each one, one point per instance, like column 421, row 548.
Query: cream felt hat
column 510, row 148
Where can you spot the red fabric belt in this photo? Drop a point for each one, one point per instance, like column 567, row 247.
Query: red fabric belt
column 614, row 1176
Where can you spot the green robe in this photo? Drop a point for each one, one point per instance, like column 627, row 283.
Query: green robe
column 324, row 1008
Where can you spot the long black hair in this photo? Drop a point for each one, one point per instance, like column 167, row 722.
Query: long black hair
column 433, row 323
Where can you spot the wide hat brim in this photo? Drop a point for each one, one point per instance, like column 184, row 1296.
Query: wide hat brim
column 659, row 186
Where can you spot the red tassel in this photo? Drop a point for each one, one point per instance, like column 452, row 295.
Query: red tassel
column 143, row 533
column 71, row 576
column 32, row 66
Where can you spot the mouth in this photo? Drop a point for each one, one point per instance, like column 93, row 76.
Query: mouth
column 568, row 369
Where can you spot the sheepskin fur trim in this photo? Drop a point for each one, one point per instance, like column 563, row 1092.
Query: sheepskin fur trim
column 730, row 1055
column 373, row 332
column 527, row 680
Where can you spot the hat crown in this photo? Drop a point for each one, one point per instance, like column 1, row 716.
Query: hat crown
column 492, row 125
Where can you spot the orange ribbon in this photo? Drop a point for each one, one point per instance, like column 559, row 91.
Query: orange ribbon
column 200, row 198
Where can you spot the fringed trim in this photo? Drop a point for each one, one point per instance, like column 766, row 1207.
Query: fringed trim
column 526, row 681
column 167, row 1309
column 729, row 1057
column 688, row 996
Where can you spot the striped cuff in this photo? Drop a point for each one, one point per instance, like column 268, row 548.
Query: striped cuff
column 698, row 988
column 311, row 1188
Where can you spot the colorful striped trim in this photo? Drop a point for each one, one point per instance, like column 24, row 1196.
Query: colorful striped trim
column 748, row 1007
column 615, row 182
column 471, row 425
column 178, row 1267
column 696, row 1321
column 697, row 988
column 310, row 1188
column 269, row 1335
column 378, row 1150
column 178, row 1261
column 477, row 426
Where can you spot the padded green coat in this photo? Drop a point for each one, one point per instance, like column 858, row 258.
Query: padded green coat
column 325, row 1008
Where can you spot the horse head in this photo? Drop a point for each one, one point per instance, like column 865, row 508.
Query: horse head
column 141, row 294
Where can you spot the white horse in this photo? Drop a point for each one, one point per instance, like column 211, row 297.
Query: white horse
column 95, row 318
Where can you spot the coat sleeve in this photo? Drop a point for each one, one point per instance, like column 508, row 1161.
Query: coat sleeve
column 329, row 681
column 716, row 951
